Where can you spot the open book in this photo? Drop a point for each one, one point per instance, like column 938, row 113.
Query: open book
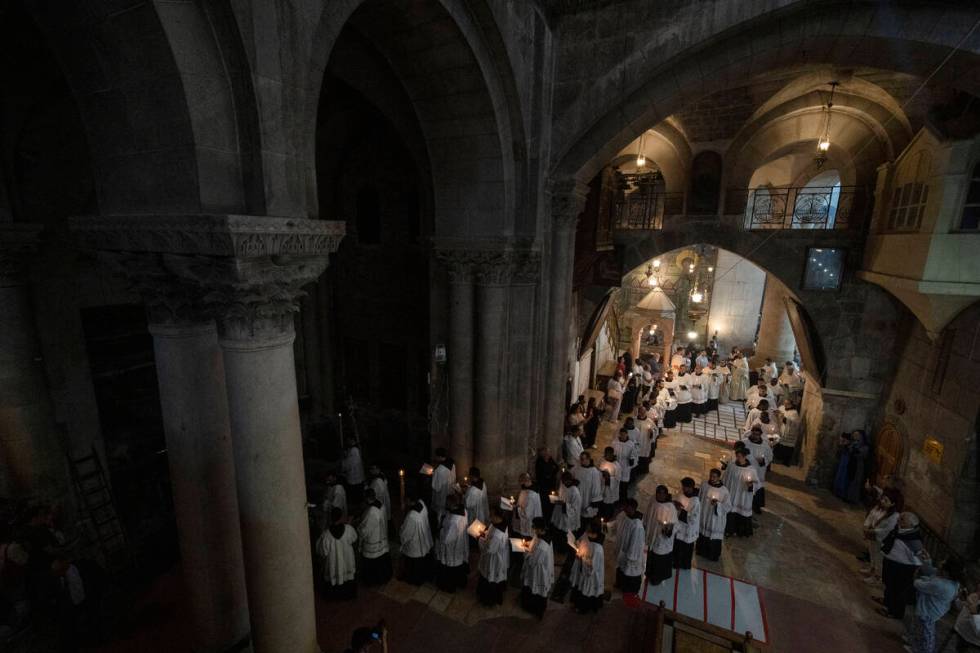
column 517, row 545
column 506, row 504
column 427, row 469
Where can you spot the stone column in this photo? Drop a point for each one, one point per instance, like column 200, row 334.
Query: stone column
column 567, row 201
column 250, row 271
column 776, row 339
column 460, row 354
column 31, row 460
column 191, row 376
column 493, row 275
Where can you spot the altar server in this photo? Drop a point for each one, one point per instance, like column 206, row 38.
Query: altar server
column 588, row 571
column 378, row 482
column 744, row 482
column 688, row 507
column 661, row 525
column 443, row 482
column 528, row 507
column 494, row 561
column 739, row 380
column 475, row 499
column 335, row 549
column 568, row 510
column 699, row 392
column 630, row 544
column 352, row 469
column 589, row 485
column 760, row 456
column 610, row 483
column 716, row 502
column 335, row 496
column 416, row 543
column 626, row 458
column 538, row 572
column 373, row 536
column 452, row 549
column 572, row 446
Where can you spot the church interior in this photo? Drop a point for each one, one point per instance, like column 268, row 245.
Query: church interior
column 351, row 325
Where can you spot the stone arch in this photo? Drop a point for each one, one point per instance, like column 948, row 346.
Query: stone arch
column 169, row 128
column 474, row 138
column 740, row 47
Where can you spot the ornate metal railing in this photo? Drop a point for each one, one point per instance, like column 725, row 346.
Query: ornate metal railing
column 829, row 207
column 643, row 210
column 836, row 207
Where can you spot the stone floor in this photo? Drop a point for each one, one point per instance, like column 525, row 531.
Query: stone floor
column 802, row 556
column 724, row 424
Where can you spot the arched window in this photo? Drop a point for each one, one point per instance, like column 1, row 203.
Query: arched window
column 971, row 208
column 910, row 192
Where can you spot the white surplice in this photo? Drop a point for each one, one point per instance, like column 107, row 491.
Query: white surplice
column 337, row 554
column 416, row 538
column 590, row 486
column 373, row 533
column 494, row 555
column 528, row 507
column 588, row 572
column 741, row 495
column 689, row 531
column 567, row 515
column 335, row 497
column 352, row 466
column 759, row 450
column 660, row 517
column 538, row 572
column 443, row 481
column 452, row 547
column 630, row 543
column 380, row 487
column 610, row 493
column 477, row 505
column 714, row 513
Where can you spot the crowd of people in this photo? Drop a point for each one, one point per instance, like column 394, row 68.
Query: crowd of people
column 549, row 538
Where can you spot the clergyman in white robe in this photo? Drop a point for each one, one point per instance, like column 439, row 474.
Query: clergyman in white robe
column 416, row 543
column 743, row 482
column 538, row 573
column 630, row 545
column 372, row 533
column 494, row 562
column 452, row 551
column 588, row 579
column 660, row 523
column 335, row 549
column 688, row 524
column 716, row 503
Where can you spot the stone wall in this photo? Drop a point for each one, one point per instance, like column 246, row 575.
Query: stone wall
column 934, row 395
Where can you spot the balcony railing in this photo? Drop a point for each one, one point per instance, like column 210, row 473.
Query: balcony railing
column 832, row 207
column 641, row 210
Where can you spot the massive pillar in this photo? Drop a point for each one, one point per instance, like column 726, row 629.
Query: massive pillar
column 460, row 355
column 31, row 460
column 776, row 340
column 247, row 271
column 567, row 202
column 493, row 277
column 191, row 376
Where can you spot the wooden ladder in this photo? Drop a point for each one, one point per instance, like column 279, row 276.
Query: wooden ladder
column 99, row 509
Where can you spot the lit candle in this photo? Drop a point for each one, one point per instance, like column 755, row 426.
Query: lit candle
column 401, row 488
column 340, row 421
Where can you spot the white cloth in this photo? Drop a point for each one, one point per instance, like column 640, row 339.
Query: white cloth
column 741, row 495
column 335, row 497
column 879, row 522
column 689, row 531
column 902, row 554
column 630, row 543
column 739, row 382
column 792, row 425
column 352, row 466
column 373, row 533
column 588, row 570
column 614, row 389
column 698, row 385
column 683, row 389
column 76, row 588
column 538, row 572
column 339, row 561
column 528, row 507
column 660, row 517
column 567, row 515
column 416, row 538
column 757, row 451
column 443, row 481
column 714, row 512
column 477, row 505
column 626, row 456
column 610, row 493
column 494, row 555
column 590, row 486
column 715, row 380
column 572, row 449
column 380, row 487
column 452, row 548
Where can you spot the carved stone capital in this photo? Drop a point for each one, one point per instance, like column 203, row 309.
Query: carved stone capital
column 491, row 264
column 246, row 272
column 18, row 243
column 568, row 197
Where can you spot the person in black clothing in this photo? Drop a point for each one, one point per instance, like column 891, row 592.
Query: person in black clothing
column 900, row 548
column 593, row 415
column 546, row 479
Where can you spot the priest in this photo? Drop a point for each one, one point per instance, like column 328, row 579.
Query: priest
column 714, row 515
column 373, row 536
column 688, row 507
